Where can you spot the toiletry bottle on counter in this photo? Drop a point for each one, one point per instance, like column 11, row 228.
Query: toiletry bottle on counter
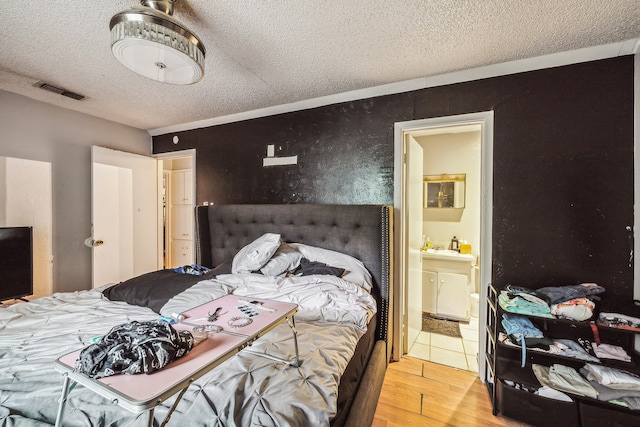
column 455, row 244
column 465, row 247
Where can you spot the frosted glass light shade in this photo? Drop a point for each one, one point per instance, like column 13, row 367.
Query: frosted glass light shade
column 157, row 46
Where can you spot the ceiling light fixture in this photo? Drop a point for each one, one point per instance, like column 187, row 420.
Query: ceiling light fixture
column 149, row 41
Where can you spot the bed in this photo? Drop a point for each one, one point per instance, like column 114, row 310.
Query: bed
column 342, row 323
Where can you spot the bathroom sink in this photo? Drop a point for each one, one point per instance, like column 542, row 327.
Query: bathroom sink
column 447, row 254
column 442, row 251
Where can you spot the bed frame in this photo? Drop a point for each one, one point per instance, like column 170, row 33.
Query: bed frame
column 362, row 231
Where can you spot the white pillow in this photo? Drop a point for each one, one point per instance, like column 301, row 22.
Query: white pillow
column 285, row 259
column 256, row 254
column 355, row 271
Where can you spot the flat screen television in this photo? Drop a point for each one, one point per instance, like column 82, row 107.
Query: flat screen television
column 16, row 262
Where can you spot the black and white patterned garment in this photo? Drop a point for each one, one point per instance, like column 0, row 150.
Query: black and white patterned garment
column 134, row 348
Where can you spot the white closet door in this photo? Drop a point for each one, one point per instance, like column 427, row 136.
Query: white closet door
column 181, row 252
column 182, row 187
column 182, row 222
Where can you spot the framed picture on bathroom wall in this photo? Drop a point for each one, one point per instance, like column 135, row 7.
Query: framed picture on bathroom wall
column 444, row 191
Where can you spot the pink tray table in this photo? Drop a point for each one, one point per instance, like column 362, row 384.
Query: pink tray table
column 140, row 393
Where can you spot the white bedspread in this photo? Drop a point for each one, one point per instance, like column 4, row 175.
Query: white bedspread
column 247, row 390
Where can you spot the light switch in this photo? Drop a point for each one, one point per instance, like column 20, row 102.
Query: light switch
column 270, row 150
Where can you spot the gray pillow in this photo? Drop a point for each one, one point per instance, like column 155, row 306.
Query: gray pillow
column 285, row 259
column 256, row 254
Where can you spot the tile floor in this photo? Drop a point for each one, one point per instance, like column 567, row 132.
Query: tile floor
column 461, row 353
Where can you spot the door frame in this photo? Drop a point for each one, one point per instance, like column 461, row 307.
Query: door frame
column 412, row 203
column 485, row 119
column 169, row 156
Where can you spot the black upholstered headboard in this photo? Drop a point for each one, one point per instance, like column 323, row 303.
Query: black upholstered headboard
column 362, row 231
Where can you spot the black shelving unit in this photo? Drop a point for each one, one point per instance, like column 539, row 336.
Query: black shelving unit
column 490, row 346
column 503, row 367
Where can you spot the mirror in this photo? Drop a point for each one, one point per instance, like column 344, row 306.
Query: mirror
column 444, row 191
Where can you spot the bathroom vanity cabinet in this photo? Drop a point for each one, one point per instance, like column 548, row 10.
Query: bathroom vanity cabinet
column 447, row 284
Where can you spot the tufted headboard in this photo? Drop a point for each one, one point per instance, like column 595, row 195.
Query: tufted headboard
column 362, row 231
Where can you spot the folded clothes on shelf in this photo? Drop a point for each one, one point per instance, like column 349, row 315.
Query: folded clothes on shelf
column 543, row 391
column 558, row 294
column 560, row 347
column 617, row 320
column 564, row 378
column 610, row 351
column 523, row 332
column 528, row 294
column 575, row 309
column 611, row 377
column 629, row 398
column 573, row 302
column 517, row 304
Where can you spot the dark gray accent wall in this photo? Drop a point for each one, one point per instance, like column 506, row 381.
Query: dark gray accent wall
column 563, row 166
column 345, row 155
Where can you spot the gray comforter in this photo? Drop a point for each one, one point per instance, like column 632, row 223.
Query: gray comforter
column 247, row 390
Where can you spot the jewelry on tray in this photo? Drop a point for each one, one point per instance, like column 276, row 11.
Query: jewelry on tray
column 207, row 328
column 239, row 321
column 212, row 317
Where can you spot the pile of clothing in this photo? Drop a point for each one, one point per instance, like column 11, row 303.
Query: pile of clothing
column 594, row 381
column 614, row 385
column 582, row 350
column 544, row 391
column 521, row 332
column 134, row 348
column 194, row 269
column 575, row 302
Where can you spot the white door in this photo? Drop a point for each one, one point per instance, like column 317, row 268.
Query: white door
column 124, row 210
column 413, row 239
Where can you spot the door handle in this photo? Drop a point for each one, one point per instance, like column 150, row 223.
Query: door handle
column 92, row 243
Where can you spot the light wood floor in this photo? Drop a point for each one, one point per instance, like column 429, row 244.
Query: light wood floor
column 420, row 393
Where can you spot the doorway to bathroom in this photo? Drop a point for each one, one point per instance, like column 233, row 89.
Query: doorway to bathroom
column 443, row 195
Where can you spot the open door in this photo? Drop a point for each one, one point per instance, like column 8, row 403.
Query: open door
column 124, row 211
column 413, row 237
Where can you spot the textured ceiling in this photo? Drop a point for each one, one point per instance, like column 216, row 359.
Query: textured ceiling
column 273, row 52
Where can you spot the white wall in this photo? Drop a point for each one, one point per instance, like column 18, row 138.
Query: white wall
column 36, row 131
column 454, row 153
